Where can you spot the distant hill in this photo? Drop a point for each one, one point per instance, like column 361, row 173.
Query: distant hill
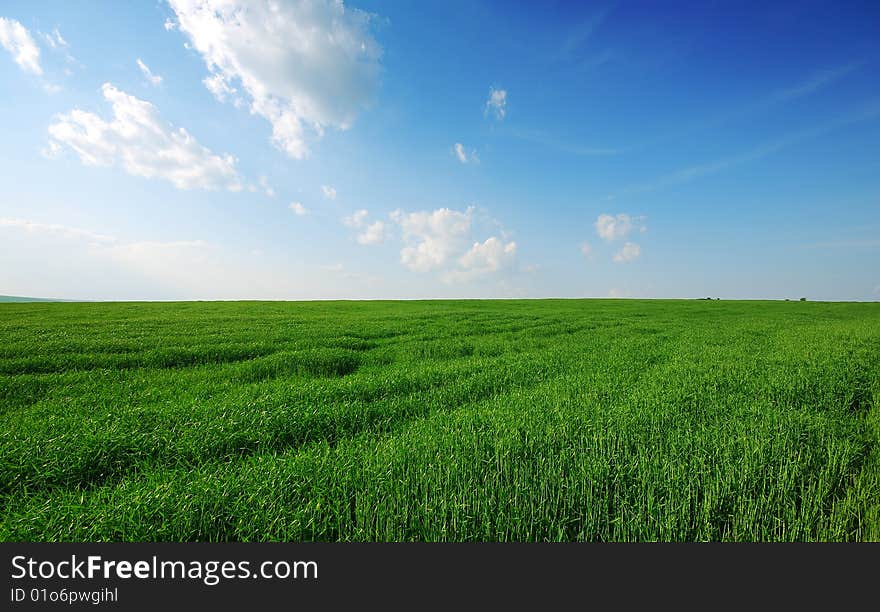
column 15, row 298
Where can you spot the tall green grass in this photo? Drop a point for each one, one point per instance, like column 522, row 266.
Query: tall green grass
column 468, row 420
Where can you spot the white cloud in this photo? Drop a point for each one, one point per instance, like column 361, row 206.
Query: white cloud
column 266, row 187
column 154, row 79
column 52, row 260
column 442, row 240
column 156, row 258
column 329, row 192
column 16, row 39
column 488, row 256
column 54, row 39
column 170, row 25
column 357, row 218
column 78, row 262
column 304, row 66
column 138, row 139
column 56, row 42
column 463, row 156
column 57, row 229
column 298, row 209
column 497, row 102
column 375, row 233
column 613, row 228
column 586, row 249
column 629, row 252
column 185, row 265
column 610, row 227
column 221, row 89
column 432, row 237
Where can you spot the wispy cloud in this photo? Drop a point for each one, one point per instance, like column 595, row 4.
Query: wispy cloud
column 54, row 39
column 867, row 112
column 57, row 43
column 154, row 79
column 298, row 209
column 581, row 32
column 57, row 229
column 813, row 83
column 497, row 103
column 463, row 156
column 845, row 244
column 550, row 141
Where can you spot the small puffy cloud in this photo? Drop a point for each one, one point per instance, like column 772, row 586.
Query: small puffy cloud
column 483, row 258
column 375, row 233
column 463, row 156
column 154, row 79
column 629, row 252
column 51, row 150
column 266, row 187
column 303, row 65
column 497, row 103
column 139, row 140
column 16, row 39
column 432, row 237
column 170, row 25
column 586, row 249
column 298, row 209
column 357, row 218
column 442, row 240
column 329, row 192
column 488, row 256
column 611, row 227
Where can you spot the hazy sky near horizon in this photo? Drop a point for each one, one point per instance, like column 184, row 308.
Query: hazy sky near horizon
column 233, row 149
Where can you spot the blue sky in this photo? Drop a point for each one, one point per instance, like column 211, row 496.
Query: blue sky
column 224, row 149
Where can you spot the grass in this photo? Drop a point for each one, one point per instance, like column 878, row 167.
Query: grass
column 468, row 420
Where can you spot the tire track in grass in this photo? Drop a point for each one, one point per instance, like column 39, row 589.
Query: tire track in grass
column 138, row 495
column 125, row 442
column 554, row 368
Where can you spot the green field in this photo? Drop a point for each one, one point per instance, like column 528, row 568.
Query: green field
column 444, row 420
